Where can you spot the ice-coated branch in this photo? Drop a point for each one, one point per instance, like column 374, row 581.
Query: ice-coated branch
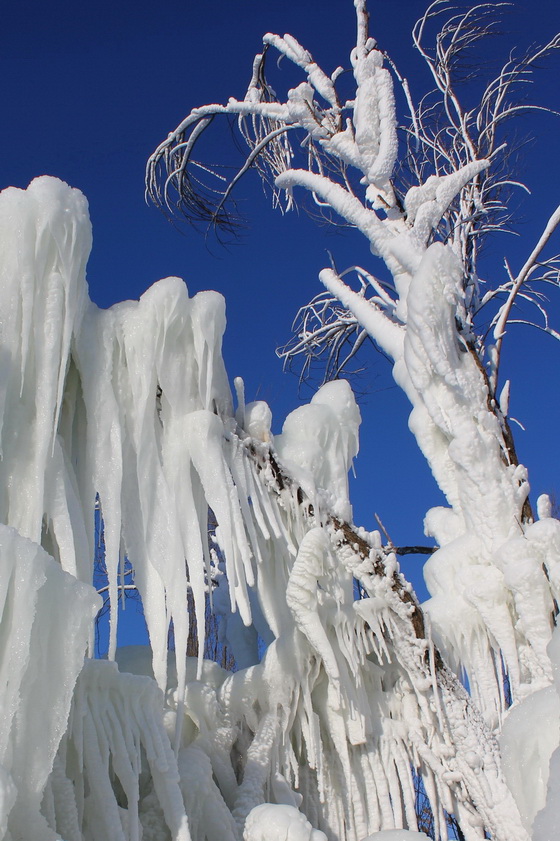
column 388, row 334
column 258, row 148
column 367, row 142
column 327, row 330
column 324, row 329
column 426, row 205
column 362, row 26
column 289, row 47
column 169, row 167
column 346, row 205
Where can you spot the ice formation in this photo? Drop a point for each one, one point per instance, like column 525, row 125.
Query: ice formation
column 46, row 621
column 117, row 427
column 274, row 822
column 128, row 411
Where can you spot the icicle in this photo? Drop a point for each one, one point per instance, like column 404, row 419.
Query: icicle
column 116, row 717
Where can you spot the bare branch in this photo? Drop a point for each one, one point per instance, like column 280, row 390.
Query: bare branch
column 505, row 310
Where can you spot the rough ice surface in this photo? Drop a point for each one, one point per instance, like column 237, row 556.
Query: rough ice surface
column 319, row 442
column 536, row 780
column 530, row 734
column 274, row 822
column 338, row 704
column 46, row 617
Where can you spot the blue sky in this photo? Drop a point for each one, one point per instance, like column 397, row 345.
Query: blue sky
column 90, row 89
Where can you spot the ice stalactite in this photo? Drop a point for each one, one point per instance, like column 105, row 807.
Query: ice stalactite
column 116, row 760
column 45, row 241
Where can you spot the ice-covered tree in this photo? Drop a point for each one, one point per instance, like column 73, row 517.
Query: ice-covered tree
column 425, row 194
column 346, row 700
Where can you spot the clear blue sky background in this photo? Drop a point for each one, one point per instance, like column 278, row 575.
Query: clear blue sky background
column 89, row 89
